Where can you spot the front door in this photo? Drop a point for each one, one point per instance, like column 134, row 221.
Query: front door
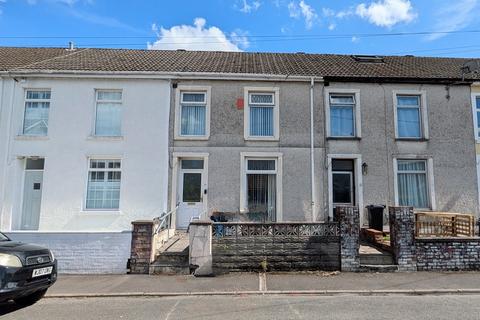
column 343, row 184
column 191, row 192
column 32, row 194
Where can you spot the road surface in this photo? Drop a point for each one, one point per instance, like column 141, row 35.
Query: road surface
column 253, row 307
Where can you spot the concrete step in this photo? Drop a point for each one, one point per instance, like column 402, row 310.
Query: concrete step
column 169, row 269
column 172, row 257
column 376, row 259
column 378, row 268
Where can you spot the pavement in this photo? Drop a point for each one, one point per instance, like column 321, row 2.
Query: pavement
column 324, row 283
column 351, row 307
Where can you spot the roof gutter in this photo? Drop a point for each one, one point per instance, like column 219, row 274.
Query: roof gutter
column 157, row 75
column 457, row 81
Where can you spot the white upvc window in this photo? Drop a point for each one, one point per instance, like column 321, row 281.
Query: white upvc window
column 261, row 185
column 342, row 110
column 192, row 116
column 476, row 115
column 103, row 187
column 108, row 113
column 261, row 114
column 414, row 183
column 37, row 109
column 410, row 115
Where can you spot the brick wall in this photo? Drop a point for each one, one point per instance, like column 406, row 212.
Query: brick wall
column 141, row 247
column 448, row 254
column 248, row 251
column 349, row 220
column 83, row 253
column 402, row 237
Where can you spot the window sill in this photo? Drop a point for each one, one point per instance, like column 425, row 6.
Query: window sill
column 105, row 138
column 189, row 138
column 345, row 138
column 95, row 211
column 412, row 139
column 27, row 137
column 261, row 139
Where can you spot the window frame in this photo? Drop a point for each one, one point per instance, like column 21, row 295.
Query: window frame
column 122, row 104
column 85, row 198
column 178, row 111
column 423, row 113
column 430, row 179
column 275, row 91
column 25, row 100
column 475, row 111
column 357, row 121
column 278, row 157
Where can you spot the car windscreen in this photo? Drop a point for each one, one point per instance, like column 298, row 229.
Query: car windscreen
column 3, row 237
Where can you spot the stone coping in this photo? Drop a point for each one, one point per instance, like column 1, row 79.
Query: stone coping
column 448, row 239
column 272, row 223
column 142, row 222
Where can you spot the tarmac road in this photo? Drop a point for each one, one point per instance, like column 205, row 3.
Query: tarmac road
column 252, row 307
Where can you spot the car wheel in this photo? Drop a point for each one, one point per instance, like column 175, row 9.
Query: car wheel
column 31, row 298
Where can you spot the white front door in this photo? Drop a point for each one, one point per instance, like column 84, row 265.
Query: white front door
column 32, row 199
column 192, row 190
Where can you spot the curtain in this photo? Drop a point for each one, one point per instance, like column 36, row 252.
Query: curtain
column 193, row 120
column 408, row 122
column 262, row 196
column 108, row 122
column 341, row 121
column 36, row 118
column 412, row 186
column 261, row 121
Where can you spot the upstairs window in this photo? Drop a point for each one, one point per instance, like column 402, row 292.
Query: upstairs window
column 342, row 115
column 477, row 117
column 193, row 113
column 261, row 114
column 37, row 107
column 108, row 121
column 409, row 116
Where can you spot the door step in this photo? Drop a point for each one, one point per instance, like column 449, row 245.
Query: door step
column 376, row 259
column 378, row 268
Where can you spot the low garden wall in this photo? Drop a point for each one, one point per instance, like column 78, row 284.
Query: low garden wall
column 247, row 246
column 280, row 246
column 448, row 254
column 429, row 253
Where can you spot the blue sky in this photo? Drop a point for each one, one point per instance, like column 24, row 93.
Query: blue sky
column 342, row 26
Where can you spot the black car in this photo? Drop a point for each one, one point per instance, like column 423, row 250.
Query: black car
column 26, row 271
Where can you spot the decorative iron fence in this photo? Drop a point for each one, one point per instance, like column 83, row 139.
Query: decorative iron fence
column 291, row 229
column 442, row 224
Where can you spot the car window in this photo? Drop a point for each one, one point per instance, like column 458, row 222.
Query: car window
column 3, row 237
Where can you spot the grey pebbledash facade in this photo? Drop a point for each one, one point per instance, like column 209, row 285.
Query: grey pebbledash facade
column 446, row 146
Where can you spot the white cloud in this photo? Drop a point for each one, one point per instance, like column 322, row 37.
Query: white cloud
column 454, row 16
column 387, row 13
column 198, row 37
column 355, row 39
column 247, row 7
column 304, row 10
column 332, row 26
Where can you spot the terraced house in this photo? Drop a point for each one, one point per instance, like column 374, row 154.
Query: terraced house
column 93, row 139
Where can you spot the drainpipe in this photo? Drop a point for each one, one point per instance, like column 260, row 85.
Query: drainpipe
column 8, row 116
column 312, row 150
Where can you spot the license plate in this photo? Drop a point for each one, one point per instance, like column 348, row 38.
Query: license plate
column 42, row 272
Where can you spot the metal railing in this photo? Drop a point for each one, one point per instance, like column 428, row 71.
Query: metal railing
column 164, row 220
column 444, row 224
